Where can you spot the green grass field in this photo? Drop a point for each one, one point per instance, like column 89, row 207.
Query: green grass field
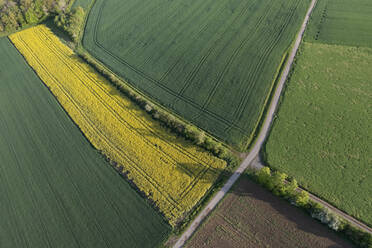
column 210, row 61
column 82, row 3
column 55, row 188
column 322, row 133
column 343, row 22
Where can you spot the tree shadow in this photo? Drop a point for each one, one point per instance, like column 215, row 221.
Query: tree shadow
column 201, row 172
column 245, row 187
column 62, row 35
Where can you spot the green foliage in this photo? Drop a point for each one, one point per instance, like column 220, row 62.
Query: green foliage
column 288, row 190
column 16, row 14
column 31, row 17
column 264, row 176
column 176, row 125
column 71, row 22
column 58, row 191
column 321, row 135
column 195, row 134
column 291, row 187
column 362, row 239
column 194, row 66
column 278, row 184
column 302, row 198
column 278, row 181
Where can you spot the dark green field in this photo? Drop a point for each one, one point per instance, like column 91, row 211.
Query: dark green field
column 212, row 62
column 55, row 189
column 322, row 134
column 343, row 22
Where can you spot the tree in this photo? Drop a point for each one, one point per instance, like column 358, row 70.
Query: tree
column 264, row 175
column 194, row 134
column 278, row 180
column 302, row 198
column 291, row 187
column 31, row 17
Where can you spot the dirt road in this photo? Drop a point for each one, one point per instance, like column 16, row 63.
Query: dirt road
column 259, row 141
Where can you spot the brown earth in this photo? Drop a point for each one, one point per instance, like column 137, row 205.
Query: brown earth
column 250, row 216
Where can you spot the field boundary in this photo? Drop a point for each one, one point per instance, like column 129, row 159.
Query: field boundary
column 144, row 75
column 351, row 219
column 80, row 46
column 355, row 221
column 227, row 124
column 254, row 152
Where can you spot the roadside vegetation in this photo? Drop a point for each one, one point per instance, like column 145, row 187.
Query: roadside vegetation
column 189, row 57
column 321, row 135
column 282, row 186
column 250, row 216
column 56, row 190
column 167, row 169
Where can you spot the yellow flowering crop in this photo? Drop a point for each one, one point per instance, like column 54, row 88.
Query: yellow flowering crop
column 172, row 172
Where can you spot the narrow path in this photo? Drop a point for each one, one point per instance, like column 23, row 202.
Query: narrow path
column 256, row 164
column 259, row 141
column 344, row 215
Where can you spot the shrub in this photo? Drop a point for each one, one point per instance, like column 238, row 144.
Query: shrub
column 194, row 134
column 190, row 132
column 278, row 181
column 325, row 216
column 264, row 175
column 71, row 22
column 359, row 237
column 302, row 198
column 149, row 108
column 291, row 188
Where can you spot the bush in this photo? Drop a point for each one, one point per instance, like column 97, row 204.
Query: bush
column 302, row 198
column 359, row 237
column 291, row 188
column 276, row 183
column 190, row 132
column 15, row 14
column 194, row 134
column 264, row 176
column 71, row 22
column 325, row 216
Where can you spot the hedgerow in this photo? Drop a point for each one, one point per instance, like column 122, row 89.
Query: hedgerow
column 277, row 183
column 180, row 127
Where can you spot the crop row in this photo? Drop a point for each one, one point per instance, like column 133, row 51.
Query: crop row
column 170, row 171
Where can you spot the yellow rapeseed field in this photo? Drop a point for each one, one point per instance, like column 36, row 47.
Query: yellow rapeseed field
column 172, row 172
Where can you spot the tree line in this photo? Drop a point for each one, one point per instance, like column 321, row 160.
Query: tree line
column 16, row 14
column 280, row 185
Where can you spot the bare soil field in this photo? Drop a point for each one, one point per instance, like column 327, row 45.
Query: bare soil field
column 250, row 216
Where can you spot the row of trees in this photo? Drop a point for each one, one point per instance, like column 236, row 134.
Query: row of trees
column 176, row 125
column 15, row 14
column 279, row 184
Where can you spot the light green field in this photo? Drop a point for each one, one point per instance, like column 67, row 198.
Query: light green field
column 212, row 62
column 82, row 3
column 343, row 22
column 55, row 188
column 323, row 134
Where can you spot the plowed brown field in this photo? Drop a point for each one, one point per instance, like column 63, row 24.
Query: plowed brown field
column 252, row 217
